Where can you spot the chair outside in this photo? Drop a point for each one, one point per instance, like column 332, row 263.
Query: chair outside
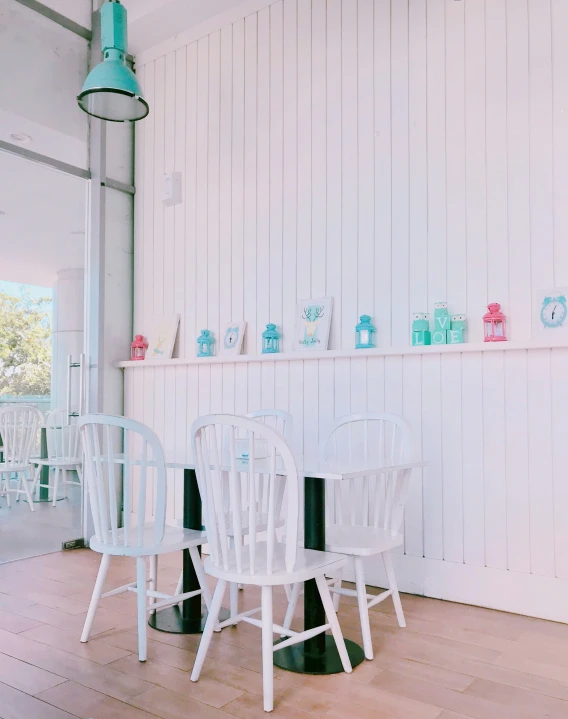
column 63, row 452
column 263, row 562
column 18, row 428
column 124, row 467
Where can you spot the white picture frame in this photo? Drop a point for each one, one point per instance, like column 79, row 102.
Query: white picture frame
column 313, row 324
column 162, row 338
column 231, row 338
column 550, row 314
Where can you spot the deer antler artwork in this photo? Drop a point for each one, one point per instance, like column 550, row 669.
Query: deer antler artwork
column 313, row 313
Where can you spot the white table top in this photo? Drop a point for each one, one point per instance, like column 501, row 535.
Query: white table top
column 262, row 466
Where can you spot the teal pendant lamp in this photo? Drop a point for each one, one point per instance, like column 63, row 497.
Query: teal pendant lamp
column 111, row 91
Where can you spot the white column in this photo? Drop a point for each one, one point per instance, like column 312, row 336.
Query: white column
column 67, row 335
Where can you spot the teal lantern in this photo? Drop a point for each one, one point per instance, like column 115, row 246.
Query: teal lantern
column 365, row 331
column 270, row 340
column 205, row 343
column 111, row 90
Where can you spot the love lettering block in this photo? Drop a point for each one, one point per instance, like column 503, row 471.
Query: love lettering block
column 423, row 337
column 439, row 337
column 454, row 337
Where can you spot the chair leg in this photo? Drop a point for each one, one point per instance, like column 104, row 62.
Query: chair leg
column 20, row 481
column 7, row 489
column 292, row 602
column 153, row 578
column 55, row 487
column 142, row 608
column 389, row 569
column 363, row 607
column 234, row 599
column 327, row 602
column 36, row 479
column 337, row 584
column 209, row 627
column 201, row 578
column 267, row 649
column 179, row 587
column 95, row 599
column 26, row 486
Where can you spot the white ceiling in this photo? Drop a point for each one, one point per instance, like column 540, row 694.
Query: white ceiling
column 43, row 209
column 151, row 22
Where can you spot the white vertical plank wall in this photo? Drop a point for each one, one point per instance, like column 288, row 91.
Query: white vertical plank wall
column 389, row 154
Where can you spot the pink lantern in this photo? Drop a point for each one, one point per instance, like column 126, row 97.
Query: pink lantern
column 494, row 323
column 138, row 348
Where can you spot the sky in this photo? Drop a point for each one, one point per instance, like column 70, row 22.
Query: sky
column 13, row 288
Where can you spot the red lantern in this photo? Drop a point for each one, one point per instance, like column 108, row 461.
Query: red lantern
column 138, row 348
column 494, row 323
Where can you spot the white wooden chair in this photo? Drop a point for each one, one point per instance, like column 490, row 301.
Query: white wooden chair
column 261, row 563
column 18, row 428
column 63, row 452
column 115, row 449
column 283, row 423
column 365, row 515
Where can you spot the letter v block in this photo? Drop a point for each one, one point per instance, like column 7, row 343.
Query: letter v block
column 442, row 322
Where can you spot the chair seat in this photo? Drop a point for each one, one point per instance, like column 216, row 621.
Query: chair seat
column 360, row 541
column 262, row 523
column 9, row 467
column 175, row 539
column 61, row 462
column 309, row 564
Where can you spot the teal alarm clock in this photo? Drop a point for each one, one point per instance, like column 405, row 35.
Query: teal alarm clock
column 553, row 311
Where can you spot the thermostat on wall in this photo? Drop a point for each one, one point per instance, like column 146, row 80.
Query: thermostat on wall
column 172, row 189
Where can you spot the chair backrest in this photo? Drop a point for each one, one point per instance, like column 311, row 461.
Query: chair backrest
column 278, row 419
column 62, row 436
column 223, row 480
column 117, row 448
column 18, row 428
column 367, row 441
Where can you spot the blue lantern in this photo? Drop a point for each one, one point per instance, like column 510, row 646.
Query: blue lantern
column 205, row 343
column 365, row 331
column 270, row 340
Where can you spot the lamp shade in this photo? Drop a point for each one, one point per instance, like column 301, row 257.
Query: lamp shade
column 111, row 90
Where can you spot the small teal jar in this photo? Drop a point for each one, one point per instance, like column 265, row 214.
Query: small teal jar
column 270, row 340
column 205, row 343
column 365, row 333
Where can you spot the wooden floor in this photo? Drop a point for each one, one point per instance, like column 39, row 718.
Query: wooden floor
column 452, row 661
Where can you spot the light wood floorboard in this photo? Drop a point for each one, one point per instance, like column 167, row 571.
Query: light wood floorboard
column 451, row 662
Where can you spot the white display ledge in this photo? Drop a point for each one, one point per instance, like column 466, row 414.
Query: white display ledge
column 339, row 354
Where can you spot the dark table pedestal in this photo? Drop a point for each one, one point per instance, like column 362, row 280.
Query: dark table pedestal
column 191, row 617
column 319, row 654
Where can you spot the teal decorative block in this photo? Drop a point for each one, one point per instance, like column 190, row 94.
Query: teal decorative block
column 420, row 322
column 442, row 323
column 439, row 337
column 421, row 338
column 454, row 337
column 440, row 308
column 458, row 322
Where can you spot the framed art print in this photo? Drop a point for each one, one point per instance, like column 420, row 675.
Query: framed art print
column 162, row 339
column 550, row 314
column 232, row 337
column 313, row 322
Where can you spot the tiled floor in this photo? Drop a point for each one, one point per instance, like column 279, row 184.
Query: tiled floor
column 451, row 662
column 25, row 534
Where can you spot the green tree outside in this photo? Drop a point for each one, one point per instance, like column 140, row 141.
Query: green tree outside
column 25, row 344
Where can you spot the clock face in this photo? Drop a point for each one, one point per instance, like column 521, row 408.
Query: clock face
column 231, row 337
column 553, row 313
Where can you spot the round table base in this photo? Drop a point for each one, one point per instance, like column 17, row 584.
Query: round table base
column 171, row 621
column 295, row 660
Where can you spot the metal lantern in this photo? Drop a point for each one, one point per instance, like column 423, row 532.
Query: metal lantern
column 111, row 90
column 494, row 324
column 138, row 348
column 270, row 340
column 205, row 343
column 365, row 333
